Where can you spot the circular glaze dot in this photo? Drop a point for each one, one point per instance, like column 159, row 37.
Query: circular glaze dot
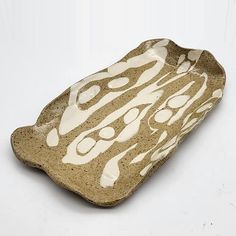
column 85, row 145
column 119, row 82
column 107, row 132
column 163, row 115
column 131, row 115
column 178, row 101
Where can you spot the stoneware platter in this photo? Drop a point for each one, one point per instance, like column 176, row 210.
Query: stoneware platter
column 106, row 134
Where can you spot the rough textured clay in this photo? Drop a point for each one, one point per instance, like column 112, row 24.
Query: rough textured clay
column 107, row 133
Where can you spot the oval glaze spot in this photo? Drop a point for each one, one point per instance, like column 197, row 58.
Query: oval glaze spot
column 107, row 133
column 163, row 115
column 88, row 94
column 183, row 67
column 217, row 93
column 86, row 145
column 162, row 43
column 194, row 55
column 181, row 59
column 119, row 82
column 178, row 101
column 131, row 115
column 52, row 138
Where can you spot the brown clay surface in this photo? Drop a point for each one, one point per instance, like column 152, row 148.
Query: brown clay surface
column 106, row 134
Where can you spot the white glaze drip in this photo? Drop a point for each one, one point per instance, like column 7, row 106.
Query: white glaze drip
column 144, row 171
column 111, row 170
column 131, row 115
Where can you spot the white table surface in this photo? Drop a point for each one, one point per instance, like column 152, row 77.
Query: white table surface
column 46, row 46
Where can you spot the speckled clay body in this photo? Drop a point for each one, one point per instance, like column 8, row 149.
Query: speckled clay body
column 107, row 133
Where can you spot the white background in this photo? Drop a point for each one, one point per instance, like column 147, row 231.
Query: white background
column 46, row 46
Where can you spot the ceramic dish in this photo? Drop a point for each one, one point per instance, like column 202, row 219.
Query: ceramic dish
column 103, row 136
